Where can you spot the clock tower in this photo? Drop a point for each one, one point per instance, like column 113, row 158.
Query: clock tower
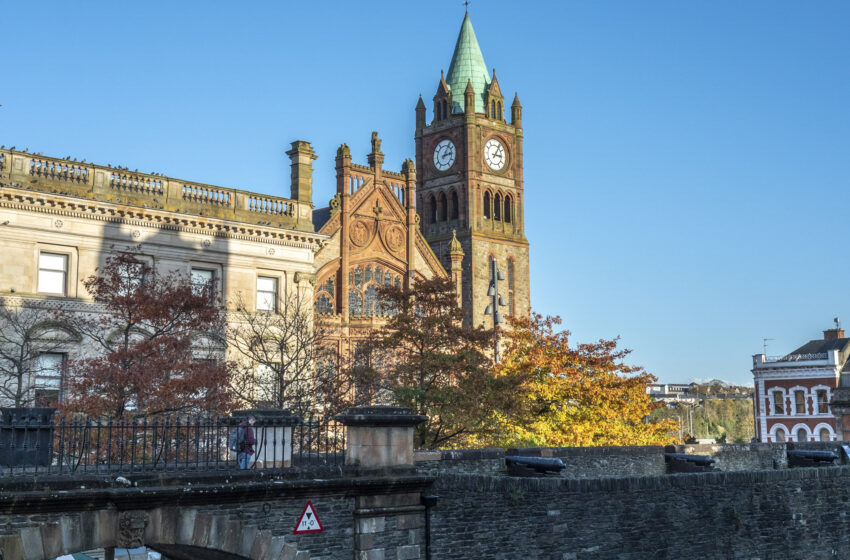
column 470, row 184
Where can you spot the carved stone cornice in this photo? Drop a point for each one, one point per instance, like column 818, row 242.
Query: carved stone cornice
column 15, row 197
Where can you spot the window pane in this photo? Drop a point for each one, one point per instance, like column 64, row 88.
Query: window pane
column 201, row 276
column 822, row 401
column 824, row 434
column 780, row 435
column 800, row 402
column 49, row 372
column 266, row 284
column 778, row 403
column 51, row 282
column 51, row 261
column 801, row 435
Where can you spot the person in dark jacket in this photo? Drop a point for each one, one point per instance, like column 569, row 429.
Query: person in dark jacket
column 246, row 442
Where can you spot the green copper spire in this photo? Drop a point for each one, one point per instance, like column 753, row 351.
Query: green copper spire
column 467, row 66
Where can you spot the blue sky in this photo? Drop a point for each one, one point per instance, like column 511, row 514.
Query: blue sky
column 687, row 164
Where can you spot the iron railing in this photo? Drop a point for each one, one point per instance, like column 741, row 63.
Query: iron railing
column 80, row 444
column 798, row 357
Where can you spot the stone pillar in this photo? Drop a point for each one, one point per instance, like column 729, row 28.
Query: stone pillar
column 408, row 169
column 840, row 405
column 379, row 436
column 301, row 187
column 273, row 431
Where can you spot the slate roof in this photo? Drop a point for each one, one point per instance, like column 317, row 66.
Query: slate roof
column 321, row 217
column 819, row 346
column 467, row 66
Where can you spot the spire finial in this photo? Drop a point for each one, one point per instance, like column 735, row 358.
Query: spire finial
column 466, row 6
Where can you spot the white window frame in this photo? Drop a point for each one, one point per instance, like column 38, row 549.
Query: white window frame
column 276, row 294
column 770, row 396
column 798, row 427
column 792, row 392
column 42, row 269
column 39, row 377
column 821, row 426
column 772, row 433
column 71, row 264
column 815, row 390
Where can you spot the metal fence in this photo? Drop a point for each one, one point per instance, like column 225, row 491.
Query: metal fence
column 78, row 444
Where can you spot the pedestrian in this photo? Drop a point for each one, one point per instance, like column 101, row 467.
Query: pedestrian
column 246, row 442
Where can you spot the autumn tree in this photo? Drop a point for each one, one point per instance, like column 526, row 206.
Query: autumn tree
column 433, row 364
column 572, row 395
column 29, row 330
column 282, row 357
column 155, row 343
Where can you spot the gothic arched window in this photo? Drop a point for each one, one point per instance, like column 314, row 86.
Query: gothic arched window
column 493, row 109
column 498, row 110
column 454, row 205
column 367, row 275
column 324, row 304
column 432, row 210
column 388, row 278
column 442, row 212
column 371, row 307
column 486, row 206
column 329, row 286
column 355, row 303
column 508, row 209
column 497, row 207
column 358, row 277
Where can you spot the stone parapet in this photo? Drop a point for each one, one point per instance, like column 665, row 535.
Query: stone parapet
column 379, row 436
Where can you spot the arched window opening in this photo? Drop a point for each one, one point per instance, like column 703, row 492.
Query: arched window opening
column 443, row 207
column 455, row 209
column 388, row 278
column 499, row 110
column 324, row 304
column 801, row 434
column 780, row 436
column 486, row 206
column 371, row 307
column 355, row 303
column 493, row 109
column 367, row 275
column 358, row 277
column 508, row 209
column 497, row 207
column 824, row 434
column 432, row 210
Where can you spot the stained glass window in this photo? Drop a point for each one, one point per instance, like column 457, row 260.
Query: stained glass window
column 355, row 303
column 388, row 278
column 372, row 301
column 367, row 277
column 324, row 304
column 358, row 277
column 329, row 286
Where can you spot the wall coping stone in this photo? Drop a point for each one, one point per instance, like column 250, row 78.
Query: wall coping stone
column 275, row 417
column 380, row 416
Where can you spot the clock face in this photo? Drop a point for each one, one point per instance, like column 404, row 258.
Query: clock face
column 494, row 154
column 444, row 155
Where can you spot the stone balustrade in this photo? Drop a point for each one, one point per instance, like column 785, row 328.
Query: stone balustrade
column 148, row 190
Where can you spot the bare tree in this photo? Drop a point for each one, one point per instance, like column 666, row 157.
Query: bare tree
column 28, row 330
column 282, row 357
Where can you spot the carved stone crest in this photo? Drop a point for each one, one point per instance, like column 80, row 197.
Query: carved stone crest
column 394, row 237
column 58, row 224
column 360, row 233
column 131, row 528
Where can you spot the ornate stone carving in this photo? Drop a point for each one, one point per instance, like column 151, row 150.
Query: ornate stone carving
column 270, row 251
column 206, row 242
column 376, row 142
column 335, row 205
column 131, row 528
column 394, row 237
column 305, row 277
column 136, row 234
column 360, row 233
column 58, row 224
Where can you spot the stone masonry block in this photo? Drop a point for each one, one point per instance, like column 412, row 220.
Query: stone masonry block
column 51, row 539
column 371, row 524
column 374, row 554
column 232, row 537
column 186, row 526
column 289, row 551
column 262, row 544
column 31, row 540
column 410, row 521
column 201, row 533
column 247, row 542
column 70, row 527
column 364, row 541
column 12, row 547
column 407, row 552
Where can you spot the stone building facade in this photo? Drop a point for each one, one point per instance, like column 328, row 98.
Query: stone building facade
column 59, row 220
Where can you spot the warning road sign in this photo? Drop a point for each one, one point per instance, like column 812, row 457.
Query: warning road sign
column 308, row 522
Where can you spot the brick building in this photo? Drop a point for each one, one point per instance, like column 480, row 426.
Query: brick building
column 793, row 392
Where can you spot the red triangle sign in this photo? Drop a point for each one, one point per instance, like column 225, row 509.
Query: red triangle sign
column 308, row 522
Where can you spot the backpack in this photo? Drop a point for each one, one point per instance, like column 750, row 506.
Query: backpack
column 235, row 439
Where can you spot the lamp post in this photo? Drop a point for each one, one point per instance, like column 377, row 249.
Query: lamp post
column 496, row 301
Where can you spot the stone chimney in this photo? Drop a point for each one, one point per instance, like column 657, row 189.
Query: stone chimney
column 833, row 334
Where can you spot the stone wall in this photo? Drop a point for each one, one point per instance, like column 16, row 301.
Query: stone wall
column 796, row 513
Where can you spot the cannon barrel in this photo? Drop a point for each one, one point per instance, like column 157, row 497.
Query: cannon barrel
column 533, row 466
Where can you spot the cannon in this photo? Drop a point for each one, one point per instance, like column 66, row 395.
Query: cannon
column 533, row 466
column 683, row 462
column 811, row 458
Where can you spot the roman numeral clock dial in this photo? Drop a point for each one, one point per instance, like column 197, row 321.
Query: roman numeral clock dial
column 494, row 154
column 444, row 155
